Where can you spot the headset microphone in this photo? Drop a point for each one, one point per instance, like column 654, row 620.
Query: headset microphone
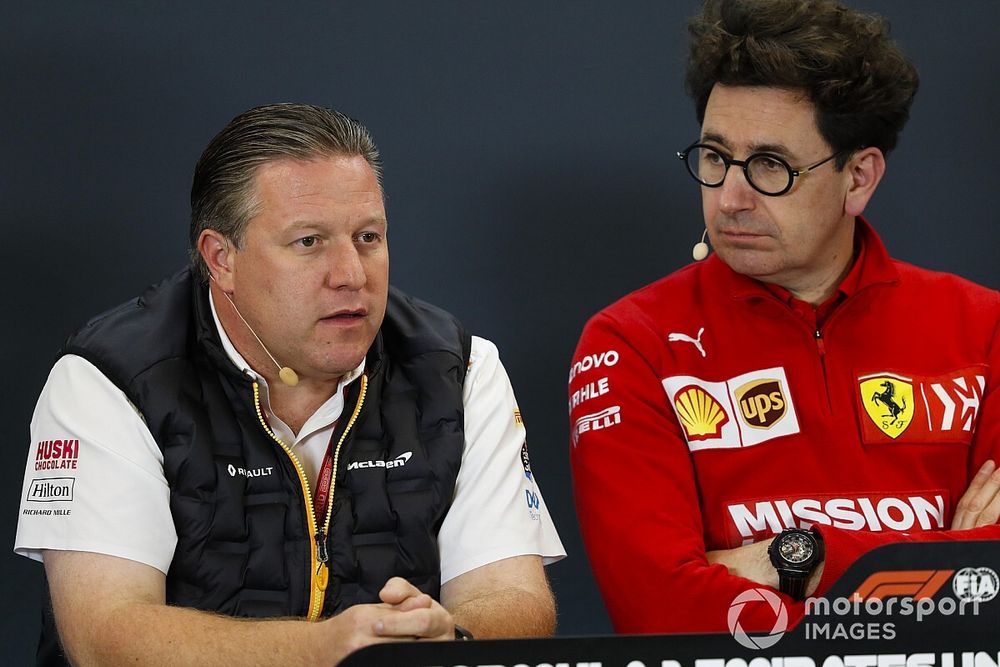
column 285, row 373
column 700, row 250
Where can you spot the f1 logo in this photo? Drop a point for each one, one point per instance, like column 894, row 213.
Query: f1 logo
column 917, row 584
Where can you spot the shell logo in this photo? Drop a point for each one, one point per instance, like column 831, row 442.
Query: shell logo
column 701, row 415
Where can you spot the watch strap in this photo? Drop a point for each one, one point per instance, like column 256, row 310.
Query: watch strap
column 794, row 587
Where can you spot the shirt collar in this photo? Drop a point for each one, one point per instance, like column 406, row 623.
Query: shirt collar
column 848, row 286
column 872, row 265
column 240, row 362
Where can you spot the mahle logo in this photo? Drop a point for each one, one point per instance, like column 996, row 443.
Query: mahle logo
column 757, row 641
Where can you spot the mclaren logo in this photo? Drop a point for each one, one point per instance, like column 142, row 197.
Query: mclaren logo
column 762, row 403
column 701, row 415
column 888, row 400
column 397, row 462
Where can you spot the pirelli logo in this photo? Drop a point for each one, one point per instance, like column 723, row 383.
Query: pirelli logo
column 596, row 421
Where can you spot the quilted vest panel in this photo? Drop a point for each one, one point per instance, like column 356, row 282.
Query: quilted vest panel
column 238, row 506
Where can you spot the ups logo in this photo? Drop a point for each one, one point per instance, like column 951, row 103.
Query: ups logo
column 761, row 403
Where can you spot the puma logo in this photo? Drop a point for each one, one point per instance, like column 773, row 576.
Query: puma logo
column 684, row 338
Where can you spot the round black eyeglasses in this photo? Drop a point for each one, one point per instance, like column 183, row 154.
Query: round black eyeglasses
column 766, row 173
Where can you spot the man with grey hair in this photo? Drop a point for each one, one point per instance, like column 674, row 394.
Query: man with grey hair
column 277, row 434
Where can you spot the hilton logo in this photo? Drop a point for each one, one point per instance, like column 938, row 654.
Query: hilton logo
column 51, row 490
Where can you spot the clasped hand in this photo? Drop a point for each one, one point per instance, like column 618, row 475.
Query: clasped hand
column 404, row 614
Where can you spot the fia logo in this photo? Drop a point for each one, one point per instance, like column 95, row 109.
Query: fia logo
column 976, row 584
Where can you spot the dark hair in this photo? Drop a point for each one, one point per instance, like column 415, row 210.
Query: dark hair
column 222, row 193
column 845, row 61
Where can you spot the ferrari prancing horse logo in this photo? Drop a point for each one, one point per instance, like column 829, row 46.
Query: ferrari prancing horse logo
column 888, row 400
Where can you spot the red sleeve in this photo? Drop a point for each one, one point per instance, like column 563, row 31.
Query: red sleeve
column 636, row 496
column 986, row 440
column 637, row 499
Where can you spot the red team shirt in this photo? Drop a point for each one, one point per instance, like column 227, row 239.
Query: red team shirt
column 709, row 411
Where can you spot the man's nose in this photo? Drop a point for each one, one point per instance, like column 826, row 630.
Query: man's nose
column 346, row 271
column 735, row 193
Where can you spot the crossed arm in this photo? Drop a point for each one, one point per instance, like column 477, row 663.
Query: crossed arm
column 645, row 516
column 112, row 611
column 979, row 506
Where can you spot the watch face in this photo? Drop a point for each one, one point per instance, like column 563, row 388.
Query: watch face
column 796, row 549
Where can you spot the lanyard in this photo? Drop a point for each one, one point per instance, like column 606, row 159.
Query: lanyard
column 324, row 481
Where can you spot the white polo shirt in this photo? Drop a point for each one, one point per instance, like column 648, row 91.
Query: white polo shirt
column 94, row 476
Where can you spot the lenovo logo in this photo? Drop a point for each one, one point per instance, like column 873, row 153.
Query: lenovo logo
column 606, row 359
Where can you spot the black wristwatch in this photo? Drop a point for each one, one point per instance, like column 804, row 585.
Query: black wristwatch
column 795, row 553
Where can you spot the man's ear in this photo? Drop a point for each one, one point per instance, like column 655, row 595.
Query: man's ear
column 219, row 256
column 864, row 171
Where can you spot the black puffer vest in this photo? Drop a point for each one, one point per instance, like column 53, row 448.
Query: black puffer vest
column 247, row 541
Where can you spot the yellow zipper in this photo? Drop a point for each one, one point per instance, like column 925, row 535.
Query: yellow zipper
column 320, row 573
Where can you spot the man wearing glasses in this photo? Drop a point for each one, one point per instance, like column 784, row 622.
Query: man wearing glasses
column 767, row 415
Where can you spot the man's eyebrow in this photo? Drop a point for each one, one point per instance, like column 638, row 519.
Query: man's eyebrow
column 715, row 138
column 322, row 225
column 778, row 149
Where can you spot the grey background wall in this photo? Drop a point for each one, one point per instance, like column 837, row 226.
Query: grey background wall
column 528, row 152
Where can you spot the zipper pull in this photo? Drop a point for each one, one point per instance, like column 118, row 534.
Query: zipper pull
column 321, row 554
column 819, row 343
